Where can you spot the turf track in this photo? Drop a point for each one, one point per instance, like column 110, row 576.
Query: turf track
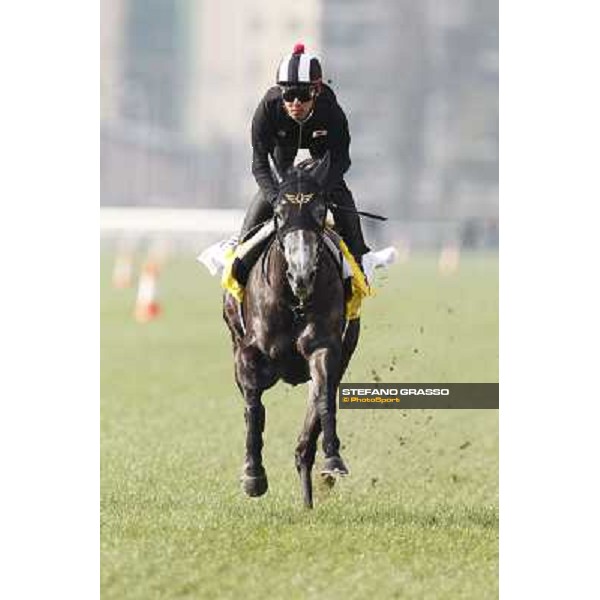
column 418, row 517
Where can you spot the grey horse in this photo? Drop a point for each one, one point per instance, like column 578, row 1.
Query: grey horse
column 293, row 327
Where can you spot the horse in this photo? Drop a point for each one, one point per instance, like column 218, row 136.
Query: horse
column 292, row 327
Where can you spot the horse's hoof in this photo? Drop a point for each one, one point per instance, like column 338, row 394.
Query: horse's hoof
column 334, row 465
column 255, row 483
column 255, row 486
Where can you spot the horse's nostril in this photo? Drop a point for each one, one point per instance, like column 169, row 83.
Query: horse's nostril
column 301, row 283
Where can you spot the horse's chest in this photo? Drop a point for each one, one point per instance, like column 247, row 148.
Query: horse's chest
column 288, row 356
column 279, row 347
column 301, row 343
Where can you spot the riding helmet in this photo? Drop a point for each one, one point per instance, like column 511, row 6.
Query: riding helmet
column 299, row 68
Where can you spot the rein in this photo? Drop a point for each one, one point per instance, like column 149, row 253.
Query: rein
column 360, row 213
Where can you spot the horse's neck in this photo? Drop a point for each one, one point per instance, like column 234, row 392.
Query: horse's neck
column 274, row 267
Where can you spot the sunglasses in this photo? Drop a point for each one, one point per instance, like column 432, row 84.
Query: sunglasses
column 303, row 93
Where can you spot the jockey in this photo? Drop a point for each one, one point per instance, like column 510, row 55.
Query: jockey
column 302, row 112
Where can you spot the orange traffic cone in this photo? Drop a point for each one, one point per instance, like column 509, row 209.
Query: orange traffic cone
column 121, row 277
column 147, row 306
column 159, row 252
column 449, row 259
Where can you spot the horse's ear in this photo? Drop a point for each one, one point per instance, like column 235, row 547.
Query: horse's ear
column 321, row 170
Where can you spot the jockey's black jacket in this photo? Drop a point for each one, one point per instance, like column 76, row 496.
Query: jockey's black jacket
column 274, row 132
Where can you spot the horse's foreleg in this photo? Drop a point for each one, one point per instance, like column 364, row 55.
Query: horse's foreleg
column 251, row 376
column 349, row 343
column 324, row 365
column 306, row 449
column 254, row 477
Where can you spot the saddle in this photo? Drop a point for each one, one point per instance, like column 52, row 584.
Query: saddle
column 240, row 259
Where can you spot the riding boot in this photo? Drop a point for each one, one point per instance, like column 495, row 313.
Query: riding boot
column 348, row 222
column 259, row 211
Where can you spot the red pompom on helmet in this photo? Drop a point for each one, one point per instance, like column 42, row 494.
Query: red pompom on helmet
column 299, row 68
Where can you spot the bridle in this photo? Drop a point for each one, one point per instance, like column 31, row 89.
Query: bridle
column 282, row 229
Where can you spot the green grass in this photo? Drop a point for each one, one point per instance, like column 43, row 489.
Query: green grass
column 417, row 518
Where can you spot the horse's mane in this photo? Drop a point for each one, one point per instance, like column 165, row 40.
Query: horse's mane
column 304, row 167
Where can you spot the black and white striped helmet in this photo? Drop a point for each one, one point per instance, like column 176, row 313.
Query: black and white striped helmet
column 299, row 68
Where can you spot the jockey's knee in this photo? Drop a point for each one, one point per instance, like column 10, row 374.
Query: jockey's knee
column 259, row 211
column 348, row 221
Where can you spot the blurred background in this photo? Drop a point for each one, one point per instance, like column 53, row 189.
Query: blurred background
column 180, row 80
